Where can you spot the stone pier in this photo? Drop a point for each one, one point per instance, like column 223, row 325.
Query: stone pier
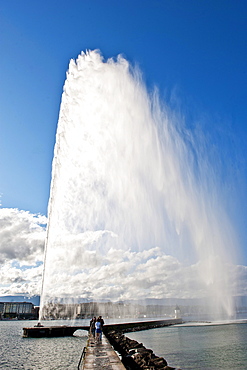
column 63, row 331
column 100, row 356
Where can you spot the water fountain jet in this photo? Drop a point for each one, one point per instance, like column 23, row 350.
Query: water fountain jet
column 134, row 213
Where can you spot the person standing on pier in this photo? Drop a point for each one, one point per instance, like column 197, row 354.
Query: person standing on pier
column 98, row 330
column 92, row 326
column 102, row 324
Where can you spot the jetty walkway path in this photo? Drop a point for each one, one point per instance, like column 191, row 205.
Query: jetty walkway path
column 100, row 356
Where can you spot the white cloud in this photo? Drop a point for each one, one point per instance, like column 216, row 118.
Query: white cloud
column 22, row 237
column 79, row 267
column 82, row 269
column 239, row 279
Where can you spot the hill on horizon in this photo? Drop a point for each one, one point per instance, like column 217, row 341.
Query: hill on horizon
column 35, row 300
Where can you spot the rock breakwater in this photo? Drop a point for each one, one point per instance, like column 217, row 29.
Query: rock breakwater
column 135, row 356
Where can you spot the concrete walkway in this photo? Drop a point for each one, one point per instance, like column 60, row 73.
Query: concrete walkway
column 101, row 356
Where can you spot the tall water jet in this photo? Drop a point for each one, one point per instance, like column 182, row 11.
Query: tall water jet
column 135, row 212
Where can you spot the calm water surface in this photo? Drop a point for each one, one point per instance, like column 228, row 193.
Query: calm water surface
column 17, row 352
column 210, row 347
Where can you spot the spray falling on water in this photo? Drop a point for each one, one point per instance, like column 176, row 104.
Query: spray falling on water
column 133, row 213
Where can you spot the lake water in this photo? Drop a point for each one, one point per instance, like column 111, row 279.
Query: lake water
column 17, row 352
column 205, row 347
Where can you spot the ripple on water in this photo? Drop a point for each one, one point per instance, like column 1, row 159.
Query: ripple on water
column 18, row 353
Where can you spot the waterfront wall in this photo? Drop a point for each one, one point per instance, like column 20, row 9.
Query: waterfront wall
column 63, row 331
column 141, row 325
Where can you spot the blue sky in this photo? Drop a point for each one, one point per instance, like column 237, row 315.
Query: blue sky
column 195, row 50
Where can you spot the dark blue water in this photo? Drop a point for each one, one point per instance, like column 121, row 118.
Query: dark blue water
column 206, row 347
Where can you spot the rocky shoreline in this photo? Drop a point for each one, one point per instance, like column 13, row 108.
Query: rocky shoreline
column 135, row 356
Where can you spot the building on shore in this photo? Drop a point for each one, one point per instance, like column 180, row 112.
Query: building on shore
column 18, row 310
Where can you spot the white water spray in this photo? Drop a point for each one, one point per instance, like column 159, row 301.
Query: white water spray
column 133, row 212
